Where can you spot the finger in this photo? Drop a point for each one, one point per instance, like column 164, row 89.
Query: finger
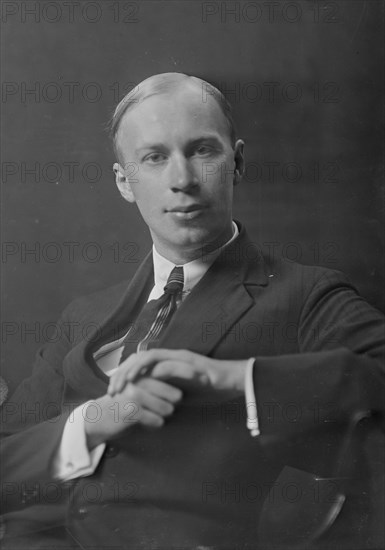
column 147, row 418
column 156, row 405
column 119, row 379
column 151, row 420
column 182, row 370
column 161, row 389
column 146, row 360
column 138, row 364
column 139, row 399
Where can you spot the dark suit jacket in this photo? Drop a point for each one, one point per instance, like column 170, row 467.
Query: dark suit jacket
column 201, row 479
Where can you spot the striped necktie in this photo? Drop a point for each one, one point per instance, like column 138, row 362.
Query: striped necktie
column 154, row 317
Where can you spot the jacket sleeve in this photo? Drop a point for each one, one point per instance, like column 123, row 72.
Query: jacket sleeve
column 32, row 422
column 338, row 374
column 38, row 397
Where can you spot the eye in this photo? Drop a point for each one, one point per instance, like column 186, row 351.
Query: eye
column 203, row 150
column 154, row 158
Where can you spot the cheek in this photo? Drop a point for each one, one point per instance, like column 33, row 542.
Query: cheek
column 222, row 190
column 224, row 176
column 142, row 194
column 150, row 209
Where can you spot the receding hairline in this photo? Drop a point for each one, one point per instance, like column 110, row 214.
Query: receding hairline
column 163, row 84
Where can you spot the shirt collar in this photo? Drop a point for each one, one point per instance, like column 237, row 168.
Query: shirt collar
column 193, row 271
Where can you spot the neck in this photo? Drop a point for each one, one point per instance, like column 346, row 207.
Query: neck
column 185, row 254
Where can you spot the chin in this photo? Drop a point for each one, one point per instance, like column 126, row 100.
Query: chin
column 197, row 238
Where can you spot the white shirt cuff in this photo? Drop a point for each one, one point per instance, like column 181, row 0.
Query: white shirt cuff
column 73, row 459
column 251, row 404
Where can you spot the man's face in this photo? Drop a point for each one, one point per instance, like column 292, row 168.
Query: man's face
column 179, row 167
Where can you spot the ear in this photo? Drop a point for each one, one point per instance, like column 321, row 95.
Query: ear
column 239, row 160
column 123, row 183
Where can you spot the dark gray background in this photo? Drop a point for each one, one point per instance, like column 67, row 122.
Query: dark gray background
column 313, row 135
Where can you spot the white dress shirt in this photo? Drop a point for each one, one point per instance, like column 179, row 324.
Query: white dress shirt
column 73, row 459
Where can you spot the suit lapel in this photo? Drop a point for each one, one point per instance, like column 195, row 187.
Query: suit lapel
column 219, row 300
column 80, row 368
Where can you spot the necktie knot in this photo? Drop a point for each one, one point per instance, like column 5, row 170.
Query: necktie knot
column 175, row 281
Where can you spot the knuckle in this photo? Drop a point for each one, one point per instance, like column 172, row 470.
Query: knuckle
column 132, row 392
column 144, row 383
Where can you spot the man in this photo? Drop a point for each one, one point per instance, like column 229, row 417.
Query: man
column 188, row 419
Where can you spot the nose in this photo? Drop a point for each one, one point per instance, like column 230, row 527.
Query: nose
column 183, row 177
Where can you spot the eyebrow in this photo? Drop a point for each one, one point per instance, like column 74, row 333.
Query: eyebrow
column 147, row 146
column 213, row 138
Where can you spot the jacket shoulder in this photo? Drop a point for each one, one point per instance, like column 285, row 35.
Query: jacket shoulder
column 304, row 278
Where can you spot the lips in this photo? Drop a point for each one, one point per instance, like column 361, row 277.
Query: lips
column 186, row 209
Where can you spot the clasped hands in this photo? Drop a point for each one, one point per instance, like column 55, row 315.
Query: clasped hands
column 141, row 388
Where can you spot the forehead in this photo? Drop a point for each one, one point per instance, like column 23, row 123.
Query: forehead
column 181, row 114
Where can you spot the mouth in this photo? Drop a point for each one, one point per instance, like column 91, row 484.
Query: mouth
column 186, row 209
column 187, row 212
